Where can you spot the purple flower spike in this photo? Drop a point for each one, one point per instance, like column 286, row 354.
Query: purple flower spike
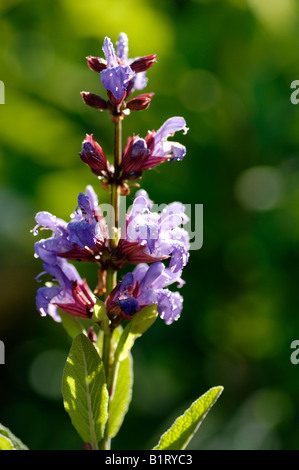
column 119, row 74
column 72, row 294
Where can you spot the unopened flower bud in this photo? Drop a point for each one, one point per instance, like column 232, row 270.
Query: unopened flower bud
column 93, row 155
column 96, row 63
column 95, row 101
column 144, row 63
column 141, row 102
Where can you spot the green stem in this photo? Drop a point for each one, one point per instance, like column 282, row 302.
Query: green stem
column 115, row 199
column 111, row 273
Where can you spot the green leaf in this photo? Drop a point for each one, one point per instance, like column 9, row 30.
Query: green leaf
column 134, row 329
column 84, row 390
column 119, row 404
column 8, row 441
column 183, row 429
column 5, row 443
column 72, row 325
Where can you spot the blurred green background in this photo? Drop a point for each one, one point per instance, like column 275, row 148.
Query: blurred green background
column 226, row 66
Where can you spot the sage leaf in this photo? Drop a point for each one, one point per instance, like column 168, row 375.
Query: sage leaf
column 8, row 441
column 183, row 429
column 84, row 390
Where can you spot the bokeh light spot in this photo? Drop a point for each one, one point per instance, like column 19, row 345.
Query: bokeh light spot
column 199, row 90
column 276, row 15
column 45, row 373
column 259, row 188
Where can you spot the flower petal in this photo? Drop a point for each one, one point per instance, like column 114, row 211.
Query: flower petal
column 122, row 47
column 116, row 79
column 109, row 52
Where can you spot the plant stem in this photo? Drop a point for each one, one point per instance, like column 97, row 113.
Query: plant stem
column 112, row 273
column 115, row 200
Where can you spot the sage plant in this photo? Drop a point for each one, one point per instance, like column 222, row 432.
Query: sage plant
column 137, row 264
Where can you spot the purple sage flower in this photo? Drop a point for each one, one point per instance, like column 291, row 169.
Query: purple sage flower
column 69, row 292
column 144, row 154
column 120, row 75
column 160, row 234
column 115, row 78
column 80, row 239
column 164, row 148
column 145, row 286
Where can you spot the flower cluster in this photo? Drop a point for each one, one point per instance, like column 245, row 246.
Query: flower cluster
column 155, row 242
column 120, row 76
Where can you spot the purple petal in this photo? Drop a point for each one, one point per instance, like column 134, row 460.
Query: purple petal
column 84, row 204
column 109, row 52
column 175, row 208
column 122, row 47
column 170, row 222
column 50, row 222
column 166, row 278
column 145, row 195
column 139, row 148
column 116, row 79
column 179, row 257
column 140, row 271
column 153, row 272
column 128, row 305
column 92, row 197
column 48, row 249
column 178, row 150
column 171, row 126
column 43, row 297
column 140, row 81
column 82, row 234
column 126, row 282
column 69, row 271
column 140, row 205
column 169, row 305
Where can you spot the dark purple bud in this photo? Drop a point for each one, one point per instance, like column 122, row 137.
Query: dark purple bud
column 141, row 102
column 143, row 63
column 93, row 155
column 96, row 64
column 95, row 101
